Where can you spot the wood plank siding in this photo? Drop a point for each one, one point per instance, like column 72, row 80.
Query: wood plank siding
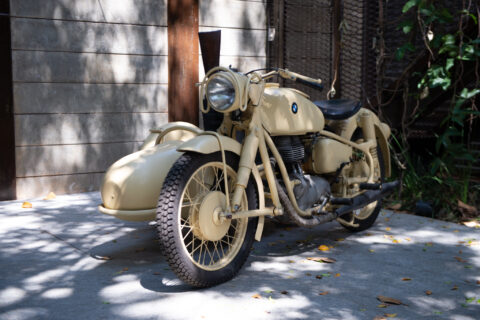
column 89, row 81
column 90, row 78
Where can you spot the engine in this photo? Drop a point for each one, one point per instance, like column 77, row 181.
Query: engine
column 311, row 188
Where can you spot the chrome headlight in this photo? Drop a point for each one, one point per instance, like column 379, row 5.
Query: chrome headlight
column 220, row 93
column 225, row 90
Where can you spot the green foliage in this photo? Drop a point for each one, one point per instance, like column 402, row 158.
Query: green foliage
column 437, row 177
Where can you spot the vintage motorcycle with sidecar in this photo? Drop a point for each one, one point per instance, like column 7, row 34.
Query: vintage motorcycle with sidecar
column 276, row 154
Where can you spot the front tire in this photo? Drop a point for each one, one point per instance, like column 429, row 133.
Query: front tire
column 201, row 249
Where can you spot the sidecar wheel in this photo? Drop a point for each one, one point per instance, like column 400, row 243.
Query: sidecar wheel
column 201, row 249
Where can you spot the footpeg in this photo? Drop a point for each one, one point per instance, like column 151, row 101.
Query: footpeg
column 370, row 186
column 343, row 201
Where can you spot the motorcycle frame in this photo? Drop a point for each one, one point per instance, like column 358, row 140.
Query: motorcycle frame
column 257, row 139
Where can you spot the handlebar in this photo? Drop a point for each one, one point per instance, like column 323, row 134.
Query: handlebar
column 313, row 83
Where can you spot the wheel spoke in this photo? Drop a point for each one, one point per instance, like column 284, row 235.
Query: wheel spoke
column 200, row 184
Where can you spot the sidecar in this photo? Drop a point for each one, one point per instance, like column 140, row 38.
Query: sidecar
column 132, row 185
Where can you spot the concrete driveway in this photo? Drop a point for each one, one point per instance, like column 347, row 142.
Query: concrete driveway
column 61, row 259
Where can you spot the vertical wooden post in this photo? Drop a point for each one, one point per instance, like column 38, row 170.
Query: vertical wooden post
column 183, row 60
column 7, row 129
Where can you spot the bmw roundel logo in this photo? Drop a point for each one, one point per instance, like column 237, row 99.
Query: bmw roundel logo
column 294, row 107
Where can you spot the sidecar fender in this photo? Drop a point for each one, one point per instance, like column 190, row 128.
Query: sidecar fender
column 206, row 144
column 177, row 135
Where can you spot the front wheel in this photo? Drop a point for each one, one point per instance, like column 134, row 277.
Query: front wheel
column 202, row 249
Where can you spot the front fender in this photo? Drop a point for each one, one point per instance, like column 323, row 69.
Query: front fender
column 206, row 144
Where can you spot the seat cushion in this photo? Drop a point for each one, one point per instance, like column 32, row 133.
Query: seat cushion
column 338, row 109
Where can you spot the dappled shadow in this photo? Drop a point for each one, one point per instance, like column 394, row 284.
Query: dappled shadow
column 90, row 81
column 63, row 253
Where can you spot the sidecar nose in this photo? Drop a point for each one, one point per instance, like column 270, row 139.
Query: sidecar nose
column 134, row 182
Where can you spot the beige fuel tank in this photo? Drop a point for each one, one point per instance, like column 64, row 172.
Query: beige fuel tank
column 288, row 112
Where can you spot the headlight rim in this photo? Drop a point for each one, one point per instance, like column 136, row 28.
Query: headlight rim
column 227, row 76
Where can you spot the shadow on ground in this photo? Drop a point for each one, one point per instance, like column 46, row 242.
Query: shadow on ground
column 62, row 259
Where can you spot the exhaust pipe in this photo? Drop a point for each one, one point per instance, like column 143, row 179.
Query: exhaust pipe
column 363, row 199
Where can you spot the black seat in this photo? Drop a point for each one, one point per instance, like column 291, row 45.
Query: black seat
column 338, row 109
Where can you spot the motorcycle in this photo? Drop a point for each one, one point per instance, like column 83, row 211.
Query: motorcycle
column 276, row 154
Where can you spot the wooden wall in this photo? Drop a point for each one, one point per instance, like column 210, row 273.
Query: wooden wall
column 244, row 31
column 90, row 79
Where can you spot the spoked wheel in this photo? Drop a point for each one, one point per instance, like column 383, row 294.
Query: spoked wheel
column 200, row 247
column 365, row 217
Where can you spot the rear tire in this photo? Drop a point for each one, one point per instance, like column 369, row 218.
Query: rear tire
column 366, row 221
column 203, row 253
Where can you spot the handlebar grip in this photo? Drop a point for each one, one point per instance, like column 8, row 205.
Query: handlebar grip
column 314, row 85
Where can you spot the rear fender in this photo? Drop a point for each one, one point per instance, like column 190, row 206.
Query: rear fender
column 206, row 144
column 346, row 128
column 382, row 135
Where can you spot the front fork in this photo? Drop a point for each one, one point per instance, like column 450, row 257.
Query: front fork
column 254, row 142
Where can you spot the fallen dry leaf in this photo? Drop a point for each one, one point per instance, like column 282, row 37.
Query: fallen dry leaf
column 371, row 250
column 478, row 281
column 395, row 241
column 379, row 318
column 322, row 293
column 284, row 292
column 406, row 279
column 50, row 196
column 387, row 219
column 256, row 296
column 408, row 239
column 156, row 273
column 340, row 239
column 368, row 234
column 455, row 287
column 388, row 228
column 428, row 292
column 382, row 305
column 323, row 248
column 389, row 300
column 390, row 315
column 460, row 259
column 291, row 261
column 318, row 276
column 323, row 259
column 308, row 274
column 125, row 269
column 396, row 206
column 26, row 205
column 337, row 274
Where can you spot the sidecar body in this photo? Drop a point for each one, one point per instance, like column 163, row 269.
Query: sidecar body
column 132, row 185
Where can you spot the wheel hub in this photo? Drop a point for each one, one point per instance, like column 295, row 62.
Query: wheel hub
column 211, row 227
